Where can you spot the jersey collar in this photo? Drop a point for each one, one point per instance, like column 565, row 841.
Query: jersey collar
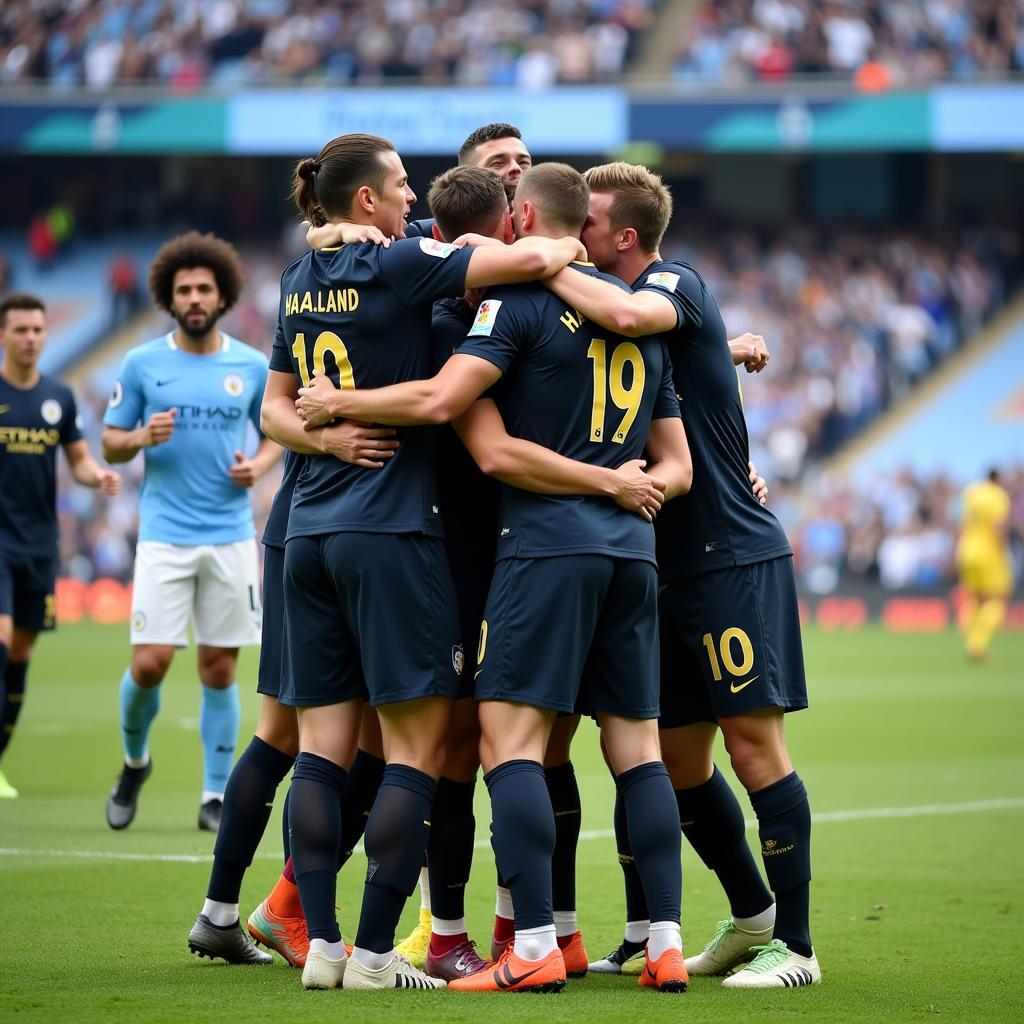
column 225, row 341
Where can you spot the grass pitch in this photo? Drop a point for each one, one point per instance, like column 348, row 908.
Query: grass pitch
column 913, row 760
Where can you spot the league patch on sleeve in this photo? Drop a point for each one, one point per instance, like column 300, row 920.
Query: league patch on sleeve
column 486, row 316
column 117, row 396
column 663, row 279
column 432, row 247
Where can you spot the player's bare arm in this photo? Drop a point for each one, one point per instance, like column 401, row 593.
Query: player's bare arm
column 750, row 351
column 527, row 259
column 345, row 233
column 245, row 472
column 633, row 314
column 88, row 472
column 532, row 467
column 668, row 455
column 123, row 445
column 439, row 399
column 358, row 443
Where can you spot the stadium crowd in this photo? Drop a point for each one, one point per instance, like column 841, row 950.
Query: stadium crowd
column 103, row 43
column 880, row 43
column 852, row 320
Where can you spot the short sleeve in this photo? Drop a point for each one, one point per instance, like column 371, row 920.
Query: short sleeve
column 421, row 270
column 666, row 402
column 501, row 330
column 280, row 360
column 127, row 402
column 71, row 425
column 420, row 228
column 682, row 287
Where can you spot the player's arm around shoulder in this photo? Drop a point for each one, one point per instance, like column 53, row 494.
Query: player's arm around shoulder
column 528, row 259
column 631, row 314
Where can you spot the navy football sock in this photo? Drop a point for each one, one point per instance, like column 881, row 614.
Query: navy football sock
column 712, row 821
column 565, row 804
column 523, row 837
column 286, row 835
column 784, row 825
column 450, row 849
column 315, row 813
column 357, row 801
column 396, row 841
column 248, row 800
column 14, row 699
column 5, row 734
column 636, row 902
column 653, row 822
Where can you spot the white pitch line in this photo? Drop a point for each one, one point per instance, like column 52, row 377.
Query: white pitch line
column 824, row 818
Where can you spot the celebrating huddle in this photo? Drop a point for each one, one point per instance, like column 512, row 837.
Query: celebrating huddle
column 419, row 624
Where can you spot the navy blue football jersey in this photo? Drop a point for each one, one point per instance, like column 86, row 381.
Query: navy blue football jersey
column 469, row 498
column 578, row 390
column 361, row 315
column 33, row 423
column 720, row 522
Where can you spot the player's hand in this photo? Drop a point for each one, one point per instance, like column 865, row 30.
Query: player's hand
column 329, row 235
column 159, row 428
column 758, row 483
column 581, row 254
column 639, row 492
column 750, row 351
column 473, row 297
column 313, row 404
column 361, row 444
column 243, row 472
column 472, row 238
column 108, row 482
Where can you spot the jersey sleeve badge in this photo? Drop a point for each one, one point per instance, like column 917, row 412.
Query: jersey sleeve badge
column 432, row 247
column 663, row 279
column 51, row 411
column 486, row 316
column 117, row 395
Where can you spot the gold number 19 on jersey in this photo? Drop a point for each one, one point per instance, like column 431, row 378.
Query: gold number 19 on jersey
column 326, row 342
column 613, row 380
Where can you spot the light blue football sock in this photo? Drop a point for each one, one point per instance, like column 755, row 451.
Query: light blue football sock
column 219, row 718
column 138, row 709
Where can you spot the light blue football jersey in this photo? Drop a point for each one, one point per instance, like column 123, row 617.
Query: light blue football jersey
column 187, row 495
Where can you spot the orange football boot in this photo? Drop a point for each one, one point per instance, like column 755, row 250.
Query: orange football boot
column 574, row 953
column 666, row 974
column 514, row 974
column 278, row 923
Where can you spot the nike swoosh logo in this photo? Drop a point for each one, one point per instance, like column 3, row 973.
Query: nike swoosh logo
column 4, row 408
column 734, row 688
column 510, row 979
column 477, row 672
column 170, row 380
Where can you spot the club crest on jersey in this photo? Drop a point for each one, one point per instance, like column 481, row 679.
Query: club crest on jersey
column 234, row 385
column 117, row 395
column 663, row 279
column 458, row 658
column 51, row 411
column 139, row 621
column 432, row 247
column 486, row 316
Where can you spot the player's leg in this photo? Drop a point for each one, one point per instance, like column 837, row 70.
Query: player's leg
column 994, row 584
column 564, row 792
column 450, row 847
column 755, row 658
column 621, row 687
column 523, row 680
column 15, row 673
column 162, row 593
column 227, row 615
column 403, row 579
column 6, row 635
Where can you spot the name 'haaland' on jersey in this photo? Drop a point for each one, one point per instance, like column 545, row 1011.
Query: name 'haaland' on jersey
column 338, row 300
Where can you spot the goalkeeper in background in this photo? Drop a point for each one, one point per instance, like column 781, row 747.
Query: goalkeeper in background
column 983, row 561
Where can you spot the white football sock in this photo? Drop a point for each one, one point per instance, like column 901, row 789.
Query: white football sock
column 441, row 927
column 366, row 957
column 220, row 914
column 664, row 935
column 536, row 943
column 565, row 923
column 424, row 889
column 503, row 904
column 637, row 931
column 332, row 950
column 759, row 922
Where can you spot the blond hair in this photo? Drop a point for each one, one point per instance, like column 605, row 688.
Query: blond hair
column 641, row 200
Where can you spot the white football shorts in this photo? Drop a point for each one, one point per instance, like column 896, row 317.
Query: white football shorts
column 216, row 586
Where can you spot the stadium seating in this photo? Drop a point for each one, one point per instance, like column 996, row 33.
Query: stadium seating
column 259, row 42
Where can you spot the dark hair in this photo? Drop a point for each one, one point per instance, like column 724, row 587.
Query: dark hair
column 993, row 475
column 640, row 200
column 559, row 193
column 325, row 186
column 488, row 133
column 196, row 250
column 20, row 300
column 466, row 199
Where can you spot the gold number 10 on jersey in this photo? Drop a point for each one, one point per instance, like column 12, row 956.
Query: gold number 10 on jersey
column 612, row 379
column 326, row 342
